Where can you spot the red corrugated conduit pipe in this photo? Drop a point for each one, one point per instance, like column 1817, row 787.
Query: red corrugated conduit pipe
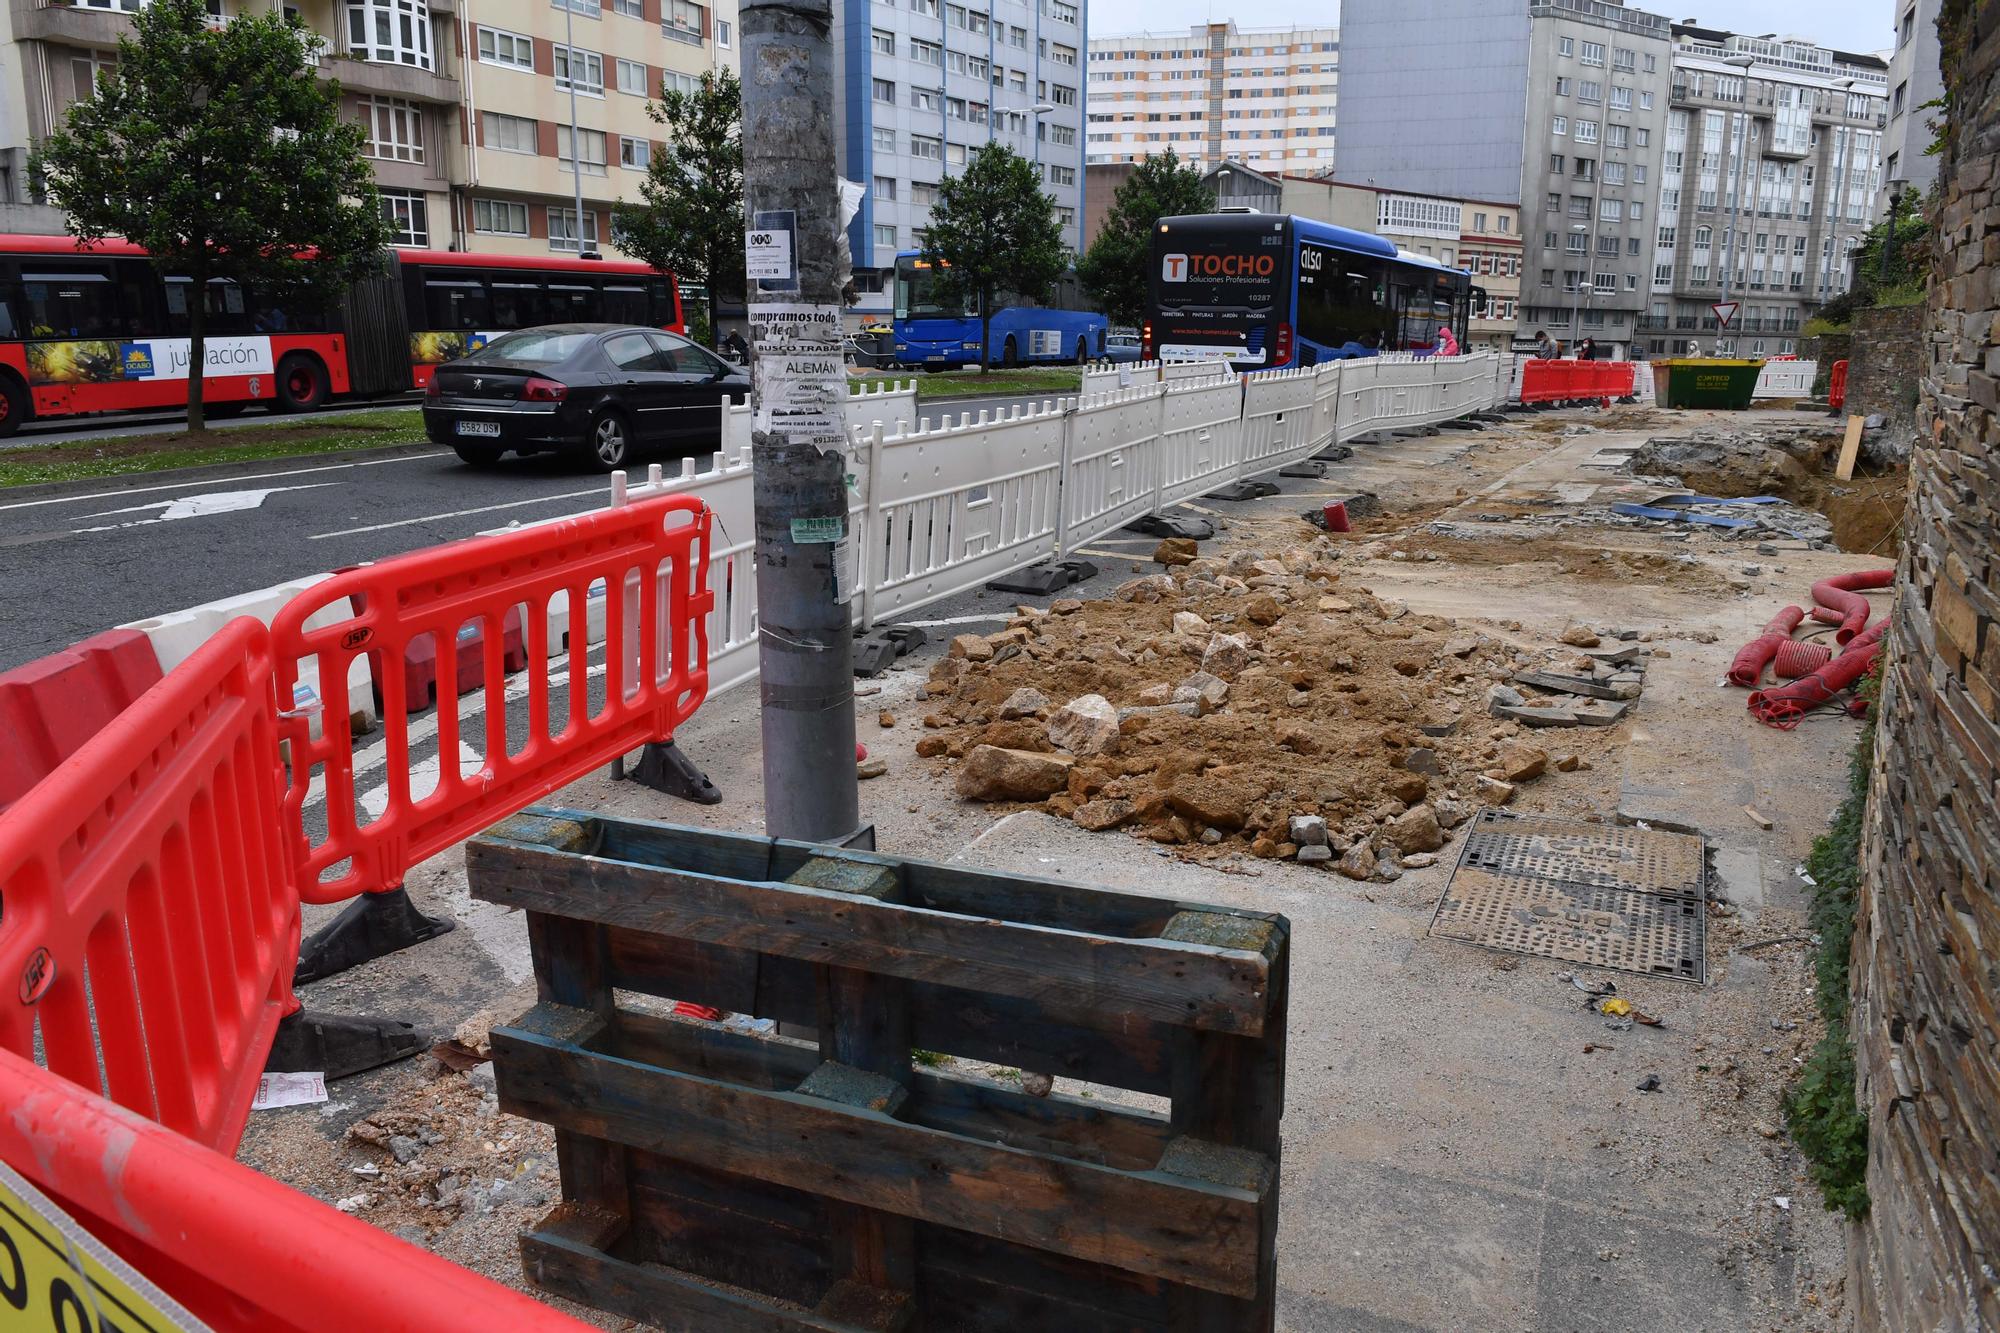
column 1748, row 668
column 1787, row 706
column 1841, row 604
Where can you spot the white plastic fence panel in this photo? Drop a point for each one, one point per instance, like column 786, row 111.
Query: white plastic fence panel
column 1110, row 475
column 176, row 634
column 1465, row 385
column 1280, row 419
column 726, row 488
column 1786, row 379
column 1201, row 438
column 952, row 508
column 1326, row 401
column 1172, row 372
column 1644, row 387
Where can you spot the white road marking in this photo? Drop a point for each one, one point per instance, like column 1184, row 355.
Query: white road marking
column 197, row 506
column 603, row 491
column 958, row 620
column 423, row 779
column 219, row 481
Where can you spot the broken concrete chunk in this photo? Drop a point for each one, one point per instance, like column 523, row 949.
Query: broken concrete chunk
column 1226, row 655
column 1494, row 792
column 1107, row 813
column 1066, row 606
column 1315, row 854
column 1085, row 725
column 1307, row 830
column 1499, row 697
column 1149, row 589
column 1408, row 788
column 1187, row 622
column 1565, row 763
column 1451, row 813
column 971, row 647
column 1415, row 830
column 1579, row 636
column 1176, row 551
column 1264, row 610
column 1521, row 763
column 871, row 768
column 930, row 747
column 1422, row 760
column 1024, row 702
column 1359, row 863
column 990, row 773
column 1211, row 692
column 1420, row 861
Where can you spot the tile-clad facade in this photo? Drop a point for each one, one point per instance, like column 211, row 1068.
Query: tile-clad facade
column 1777, row 159
column 468, row 109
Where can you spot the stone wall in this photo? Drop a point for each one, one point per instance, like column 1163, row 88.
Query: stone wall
column 1885, row 363
column 1927, row 941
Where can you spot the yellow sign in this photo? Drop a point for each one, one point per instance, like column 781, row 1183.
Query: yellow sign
column 54, row 1275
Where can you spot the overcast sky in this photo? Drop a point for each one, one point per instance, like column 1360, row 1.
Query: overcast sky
column 1849, row 25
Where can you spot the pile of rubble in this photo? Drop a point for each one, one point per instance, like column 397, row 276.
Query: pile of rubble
column 1259, row 703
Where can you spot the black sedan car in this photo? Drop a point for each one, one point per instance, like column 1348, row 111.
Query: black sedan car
column 599, row 392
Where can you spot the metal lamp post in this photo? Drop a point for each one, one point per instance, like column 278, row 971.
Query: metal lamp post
column 575, row 135
column 1742, row 135
column 1583, row 287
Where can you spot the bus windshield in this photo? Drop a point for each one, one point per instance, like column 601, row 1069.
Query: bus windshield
column 917, row 295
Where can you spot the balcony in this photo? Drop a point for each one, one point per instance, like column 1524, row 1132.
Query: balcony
column 71, row 25
column 356, row 75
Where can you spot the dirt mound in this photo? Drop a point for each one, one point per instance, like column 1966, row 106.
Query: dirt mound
column 1588, row 564
column 1248, row 692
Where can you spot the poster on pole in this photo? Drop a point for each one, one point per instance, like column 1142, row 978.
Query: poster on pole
column 770, row 251
column 801, row 380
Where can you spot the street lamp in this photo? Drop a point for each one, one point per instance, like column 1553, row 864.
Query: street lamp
column 1583, row 287
column 575, row 135
column 1897, row 185
column 1740, row 131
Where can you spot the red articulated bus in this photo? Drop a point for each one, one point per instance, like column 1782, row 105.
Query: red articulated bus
column 96, row 328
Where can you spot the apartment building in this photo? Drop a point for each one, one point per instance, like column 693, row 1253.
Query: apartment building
column 1216, row 93
column 1914, row 82
column 1480, row 236
column 1772, row 164
column 920, row 86
column 1557, row 106
column 468, row 118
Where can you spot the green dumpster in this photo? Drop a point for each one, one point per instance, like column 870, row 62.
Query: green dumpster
column 1706, row 382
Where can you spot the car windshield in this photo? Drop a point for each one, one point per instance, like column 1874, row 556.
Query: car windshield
column 535, row 347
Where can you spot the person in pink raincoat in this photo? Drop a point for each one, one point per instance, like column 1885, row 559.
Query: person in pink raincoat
column 1447, row 344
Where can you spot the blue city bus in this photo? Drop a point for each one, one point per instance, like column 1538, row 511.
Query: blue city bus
column 936, row 337
column 1264, row 291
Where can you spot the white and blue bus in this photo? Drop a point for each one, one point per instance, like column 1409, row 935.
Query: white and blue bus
column 1264, row 291
column 935, row 335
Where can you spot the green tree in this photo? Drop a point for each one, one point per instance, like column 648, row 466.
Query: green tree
column 690, row 219
column 993, row 231
column 1114, row 270
column 216, row 148
column 1889, row 264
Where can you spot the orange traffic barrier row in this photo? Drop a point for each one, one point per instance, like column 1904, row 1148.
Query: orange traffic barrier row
column 1549, row 381
column 153, row 885
column 1836, row 386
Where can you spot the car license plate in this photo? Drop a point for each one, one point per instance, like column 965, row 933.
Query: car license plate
column 489, row 429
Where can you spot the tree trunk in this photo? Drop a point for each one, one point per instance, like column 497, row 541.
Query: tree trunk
column 197, row 353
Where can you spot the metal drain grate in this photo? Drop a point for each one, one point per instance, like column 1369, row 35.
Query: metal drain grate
column 1641, row 860
column 1627, row 899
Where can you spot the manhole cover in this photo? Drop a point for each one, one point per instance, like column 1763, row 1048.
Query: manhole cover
column 1642, row 860
column 1628, row 899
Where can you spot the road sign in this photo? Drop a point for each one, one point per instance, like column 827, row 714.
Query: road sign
column 1725, row 311
column 59, row 1276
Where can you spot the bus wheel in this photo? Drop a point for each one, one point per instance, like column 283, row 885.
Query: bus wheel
column 1082, row 352
column 14, row 408
column 302, row 384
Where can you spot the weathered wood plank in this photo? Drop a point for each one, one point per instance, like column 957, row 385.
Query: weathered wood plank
column 1191, row 985
column 1028, row 1289
column 1088, row 1131
column 1129, row 1053
column 728, row 1228
column 560, row 1258
column 1186, row 1230
column 572, row 970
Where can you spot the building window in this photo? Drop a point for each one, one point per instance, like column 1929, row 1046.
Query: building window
column 1615, row 136
column 885, row 189
column 683, row 21
column 591, row 144
column 634, row 153
column 884, row 139
column 1062, row 94
column 1062, row 175
column 1579, row 206
column 1566, row 46
column 1590, row 90
column 510, row 134
column 1586, row 131
column 923, row 194
column 631, row 9
column 885, row 43
column 1635, row 210
column 1062, row 11
column 1610, row 210
column 497, row 217
column 685, row 84
column 922, row 145
column 408, row 215
column 1604, row 282
column 1552, row 203
column 923, row 99
column 562, row 229
column 1577, row 244
column 1559, row 125
column 1479, row 224
column 584, row 69
column 395, row 129
column 391, row 32
column 1621, row 99
column 885, row 235
column 1652, row 66
column 1641, row 137
column 725, row 34
column 885, row 91
column 926, row 53
column 1593, row 53
column 632, row 78
column 1623, row 59
column 1563, row 86
column 585, row 8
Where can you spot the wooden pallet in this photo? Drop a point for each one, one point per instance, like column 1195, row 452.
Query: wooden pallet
column 722, row 1180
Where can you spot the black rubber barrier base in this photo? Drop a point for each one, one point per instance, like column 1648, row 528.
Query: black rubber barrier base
column 877, row 649
column 1244, row 490
column 1172, row 525
column 373, row 924
column 666, row 768
column 336, row 1045
column 1041, row 580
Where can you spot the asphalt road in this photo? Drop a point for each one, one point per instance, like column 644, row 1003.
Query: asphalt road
column 79, row 558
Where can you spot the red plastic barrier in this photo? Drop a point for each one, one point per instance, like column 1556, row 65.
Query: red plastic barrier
column 655, row 673
column 51, row 706
column 1575, row 381
column 240, row 1251
column 1836, row 386
column 1798, row 658
column 151, row 912
column 1748, row 668
column 420, row 656
column 1844, row 605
